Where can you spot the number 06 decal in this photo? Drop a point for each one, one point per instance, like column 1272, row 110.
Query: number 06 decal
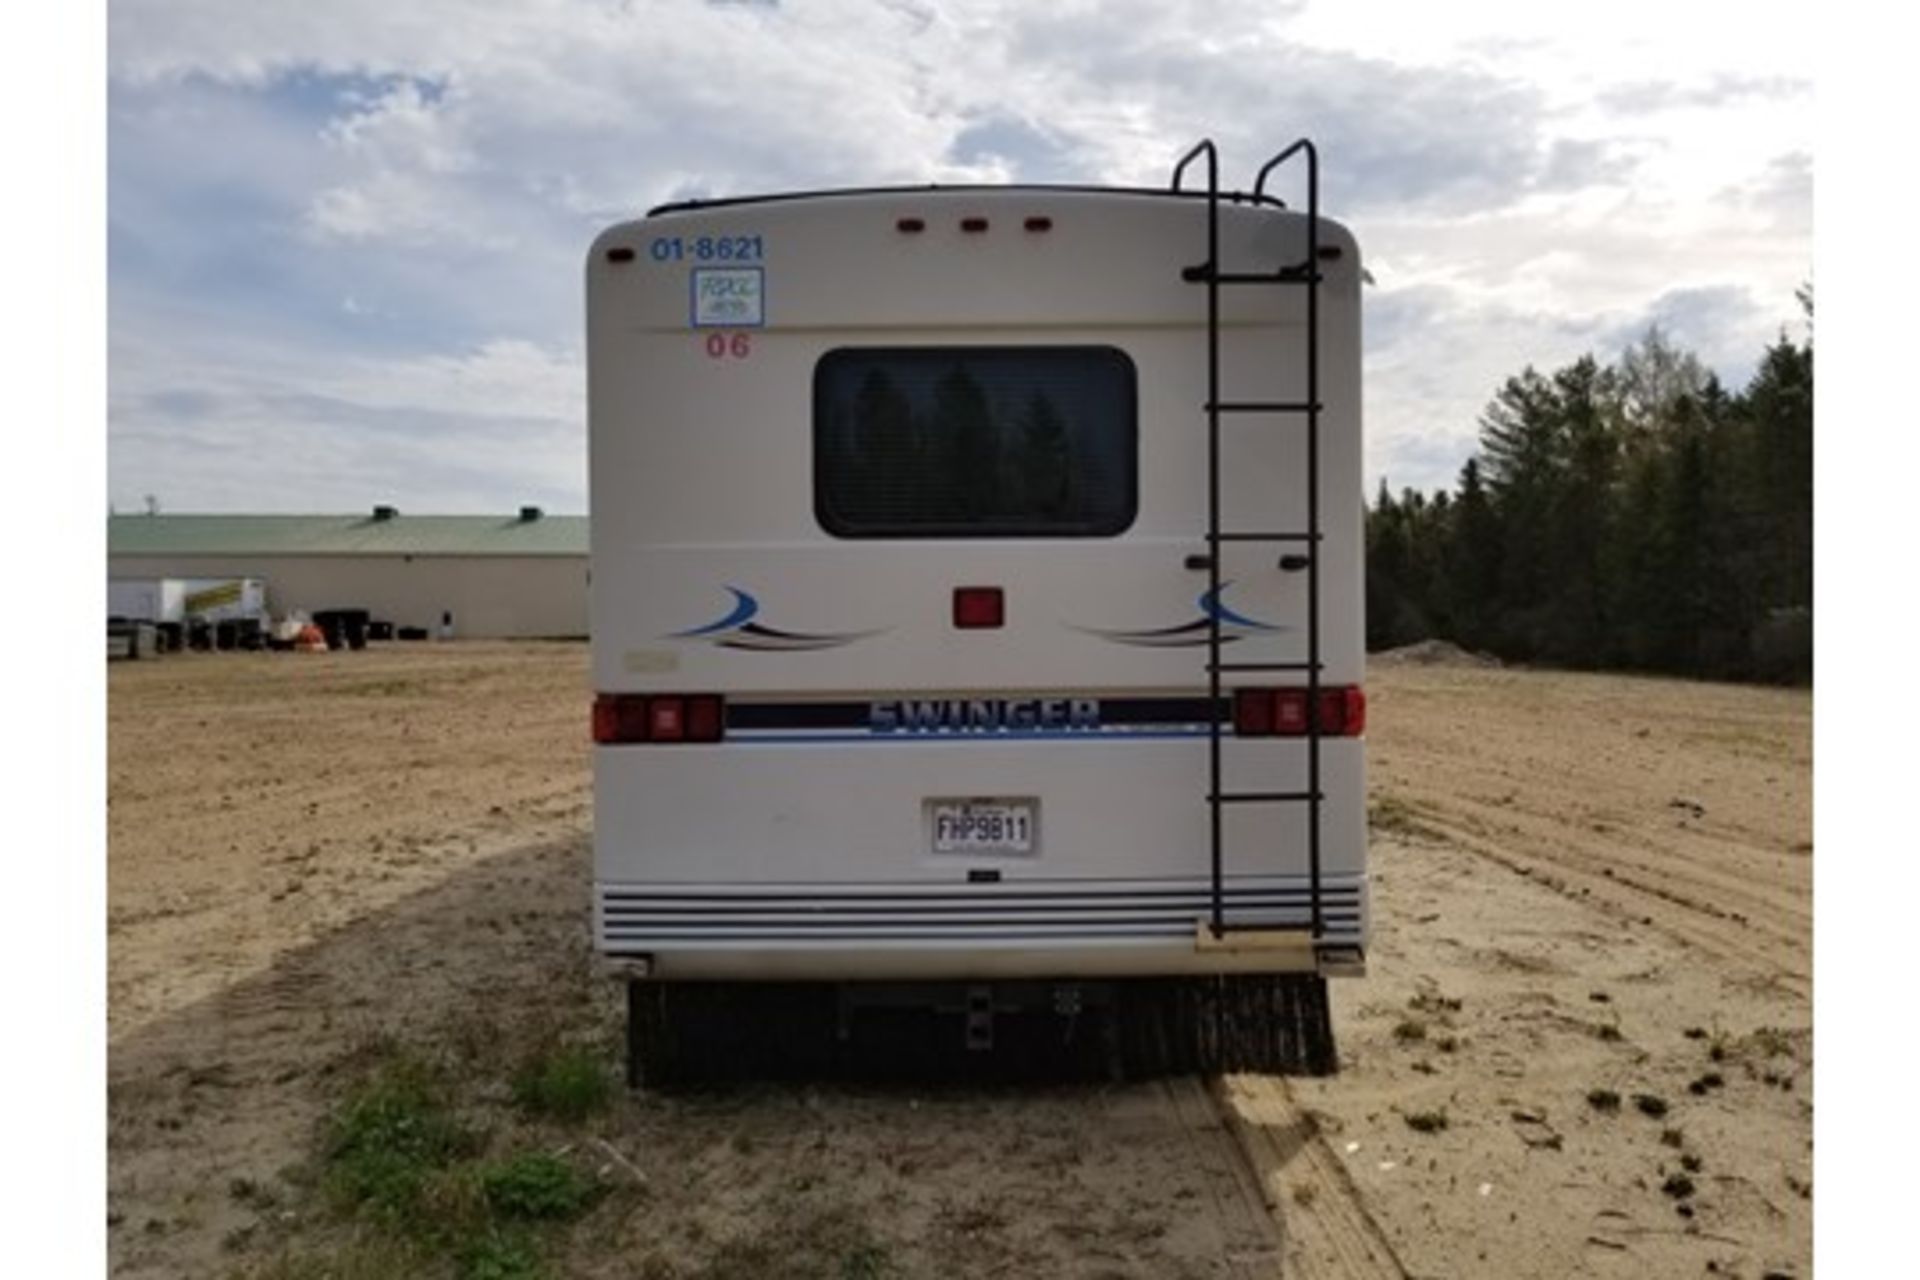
column 729, row 346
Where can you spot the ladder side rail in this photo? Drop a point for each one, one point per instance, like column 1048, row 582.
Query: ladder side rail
column 1310, row 272
column 1216, row 814
column 1313, row 528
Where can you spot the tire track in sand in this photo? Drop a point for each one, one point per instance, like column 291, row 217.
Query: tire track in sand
column 1325, row 1229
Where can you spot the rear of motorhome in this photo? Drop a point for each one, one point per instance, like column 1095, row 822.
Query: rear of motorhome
column 976, row 617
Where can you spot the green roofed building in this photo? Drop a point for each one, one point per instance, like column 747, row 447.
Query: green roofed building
column 522, row 574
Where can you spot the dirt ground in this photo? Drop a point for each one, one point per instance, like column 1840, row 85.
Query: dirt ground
column 1586, row 888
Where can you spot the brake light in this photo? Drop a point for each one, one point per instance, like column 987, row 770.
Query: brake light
column 1253, row 713
column 1343, row 711
column 632, row 717
column 1282, row 713
column 979, row 607
column 666, row 719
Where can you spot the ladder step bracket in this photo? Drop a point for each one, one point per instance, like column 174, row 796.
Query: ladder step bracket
column 1266, row 797
column 1264, row 406
column 1244, row 535
column 1201, row 273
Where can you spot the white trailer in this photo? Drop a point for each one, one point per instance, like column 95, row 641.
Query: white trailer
column 932, row 641
column 147, row 599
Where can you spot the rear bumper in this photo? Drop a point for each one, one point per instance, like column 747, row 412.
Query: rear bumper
column 1025, row 929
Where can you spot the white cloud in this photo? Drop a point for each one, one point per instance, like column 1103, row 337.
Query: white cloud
column 1539, row 175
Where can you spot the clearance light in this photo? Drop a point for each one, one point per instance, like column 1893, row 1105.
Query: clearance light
column 911, row 226
column 977, row 608
column 1040, row 224
column 1282, row 713
column 620, row 718
column 973, row 225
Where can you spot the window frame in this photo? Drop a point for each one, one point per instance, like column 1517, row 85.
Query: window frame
column 835, row 525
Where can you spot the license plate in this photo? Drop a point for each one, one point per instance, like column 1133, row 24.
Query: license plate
column 983, row 826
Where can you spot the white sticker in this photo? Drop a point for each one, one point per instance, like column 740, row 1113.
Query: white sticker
column 729, row 297
column 640, row 661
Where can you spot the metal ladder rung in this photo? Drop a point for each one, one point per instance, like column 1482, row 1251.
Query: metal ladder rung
column 1242, row 535
column 1266, row 797
column 1201, row 273
column 1286, row 275
column 1264, row 666
column 1264, row 406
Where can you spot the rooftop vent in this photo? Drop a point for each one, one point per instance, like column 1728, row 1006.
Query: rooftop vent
column 385, row 512
column 528, row 514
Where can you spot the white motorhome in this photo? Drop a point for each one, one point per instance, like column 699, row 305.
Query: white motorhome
column 935, row 647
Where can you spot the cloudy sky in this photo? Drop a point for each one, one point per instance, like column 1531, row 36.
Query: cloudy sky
column 345, row 238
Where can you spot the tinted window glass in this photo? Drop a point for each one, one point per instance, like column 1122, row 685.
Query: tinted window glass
column 977, row 442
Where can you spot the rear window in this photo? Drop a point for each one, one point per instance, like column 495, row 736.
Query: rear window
column 975, row 442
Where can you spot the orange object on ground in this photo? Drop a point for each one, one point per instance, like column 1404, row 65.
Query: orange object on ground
column 310, row 640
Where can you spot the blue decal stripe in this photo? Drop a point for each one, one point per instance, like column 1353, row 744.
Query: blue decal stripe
column 908, row 738
column 1213, row 606
column 744, row 607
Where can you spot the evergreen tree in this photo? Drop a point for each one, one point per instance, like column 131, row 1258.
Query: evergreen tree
column 1629, row 514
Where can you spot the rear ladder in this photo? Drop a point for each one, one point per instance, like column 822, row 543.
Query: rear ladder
column 1305, row 273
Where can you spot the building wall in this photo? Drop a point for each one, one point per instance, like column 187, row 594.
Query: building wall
column 489, row 596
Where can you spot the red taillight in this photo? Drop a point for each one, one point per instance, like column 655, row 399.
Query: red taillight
column 632, row 717
column 706, row 719
column 1253, row 713
column 1343, row 711
column 978, row 607
column 666, row 719
column 1282, row 713
column 1290, row 712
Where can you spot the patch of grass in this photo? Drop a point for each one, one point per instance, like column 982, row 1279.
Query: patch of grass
column 1447, row 1044
column 1604, row 1100
column 1410, row 1031
column 501, row 1255
column 1432, row 1002
column 1690, row 1162
column 1678, row 1185
column 389, row 1140
column 569, row 1084
column 535, row 1186
column 1672, row 1138
column 398, row 1159
column 1607, row 1031
column 1304, row 1193
column 1427, row 1121
column 1650, row 1104
column 1706, row 1083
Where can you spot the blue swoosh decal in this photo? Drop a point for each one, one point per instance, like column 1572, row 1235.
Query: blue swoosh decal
column 744, row 607
column 1211, row 605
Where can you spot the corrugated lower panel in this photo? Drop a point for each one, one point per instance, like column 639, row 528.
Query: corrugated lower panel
column 994, row 913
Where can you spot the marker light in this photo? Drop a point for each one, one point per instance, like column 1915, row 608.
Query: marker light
column 977, row 608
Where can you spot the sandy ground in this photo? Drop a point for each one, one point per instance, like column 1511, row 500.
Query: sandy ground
column 1582, row 884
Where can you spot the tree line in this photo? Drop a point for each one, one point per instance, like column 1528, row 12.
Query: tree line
column 1629, row 515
